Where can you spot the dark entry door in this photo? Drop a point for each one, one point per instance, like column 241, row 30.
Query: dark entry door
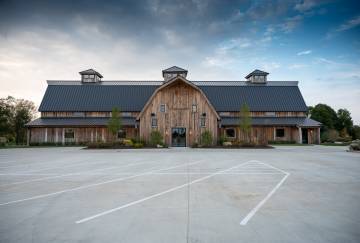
column 304, row 135
column 178, row 137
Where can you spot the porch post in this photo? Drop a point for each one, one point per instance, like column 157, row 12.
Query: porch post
column 46, row 135
column 318, row 136
column 56, row 136
column 300, row 135
column 63, row 136
column 28, row 136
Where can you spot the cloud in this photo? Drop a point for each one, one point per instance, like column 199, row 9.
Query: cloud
column 305, row 5
column 352, row 23
column 296, row 66
column 291, row 23
column 307, row 52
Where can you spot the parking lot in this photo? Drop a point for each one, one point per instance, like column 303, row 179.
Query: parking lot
column 286, row 194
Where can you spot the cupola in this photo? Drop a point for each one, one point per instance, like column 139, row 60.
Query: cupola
column 173, row 72
column 90, row 76
column 257, row 76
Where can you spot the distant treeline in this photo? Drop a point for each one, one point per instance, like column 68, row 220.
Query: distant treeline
column 336, row 125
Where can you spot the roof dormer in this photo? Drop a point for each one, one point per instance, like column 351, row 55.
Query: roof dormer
column 90, row 76
column 172, row 72
column 257, row 76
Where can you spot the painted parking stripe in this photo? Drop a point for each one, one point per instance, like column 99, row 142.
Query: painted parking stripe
column 96, row 184
column 262, row 202
column 156, row 195
column 72, row 174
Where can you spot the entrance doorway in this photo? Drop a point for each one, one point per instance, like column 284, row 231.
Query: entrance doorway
column 178, row 137
column 304, row 132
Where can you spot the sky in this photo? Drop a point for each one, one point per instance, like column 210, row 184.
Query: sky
column 314, row 42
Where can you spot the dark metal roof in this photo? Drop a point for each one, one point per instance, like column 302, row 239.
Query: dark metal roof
column 91, row 71
column 93, row 97
column 127, row 97
column 256, row 72
column 258, row 98
column 270, row 121
column 98, row 121
column 174, row 69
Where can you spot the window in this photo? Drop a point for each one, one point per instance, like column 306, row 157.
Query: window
column 162, row 108
column 153, row 122
column 194, row 108
column 224, row 114
column 69, row 133
column 121, row 134
column 126, row 114
column 280, row 132
column 203, row 121
column 79, row 114
column 269, row 113
column 230, row 132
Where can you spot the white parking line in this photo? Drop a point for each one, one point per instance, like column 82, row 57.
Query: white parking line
column 262, row 202
column 72, row 174
column 64, row 166
column 156, row 195
column 96, row 184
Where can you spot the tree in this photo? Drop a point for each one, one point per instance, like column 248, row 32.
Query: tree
column 24, row 111
column 206, row 138
column 344, row 121
column 156, row 138
column 355, row 132
column 14, row 114
column 115, row 122
column 324, row 114
column 5, row 117
column 245, row 121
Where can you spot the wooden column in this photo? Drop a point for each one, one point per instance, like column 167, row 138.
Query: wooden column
column 300, row 135
column 28, row 137
column 46, row 135
column 56, row 136
column 63, row 136
column 318, row 136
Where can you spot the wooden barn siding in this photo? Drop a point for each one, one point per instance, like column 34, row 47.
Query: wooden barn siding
column 267, row 133
column 178, row 99
column 258, row 133
column 82, row 134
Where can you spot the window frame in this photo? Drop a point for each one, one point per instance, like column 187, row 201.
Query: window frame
column 68, row 131
column 123, row 131
column 230, row 128
column 154, row 123
column 162, row 108
column 194, row 108
column 279, row 129
column 202, row 121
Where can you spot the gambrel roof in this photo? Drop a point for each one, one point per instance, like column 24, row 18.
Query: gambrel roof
column 133, row 95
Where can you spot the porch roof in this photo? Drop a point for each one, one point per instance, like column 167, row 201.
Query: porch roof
column 77, row 122
column 271, row 121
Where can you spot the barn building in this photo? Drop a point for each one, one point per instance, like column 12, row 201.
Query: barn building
column 79, row 111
